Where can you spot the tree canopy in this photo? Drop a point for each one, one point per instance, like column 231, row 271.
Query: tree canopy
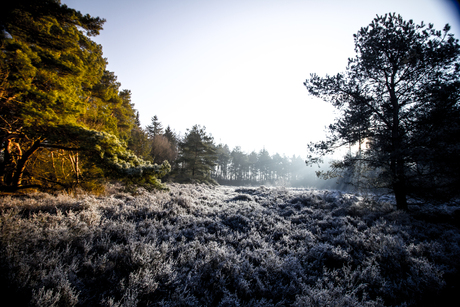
column 198, row 156
column 400, row 96
column 58, row 101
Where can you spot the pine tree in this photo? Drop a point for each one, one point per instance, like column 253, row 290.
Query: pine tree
column 264, row 164
column 171, row 136
column 56, row 96
column 197, row 156
column 155, row 128
column 223, row 161
column 239, row 165
column 253, row 166
column 48, row 61
column 402, row 74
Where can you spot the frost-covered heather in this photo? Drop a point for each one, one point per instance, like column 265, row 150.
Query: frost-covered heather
column 199, row 245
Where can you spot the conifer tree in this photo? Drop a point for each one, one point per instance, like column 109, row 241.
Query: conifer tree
column 55, row 94
column 223, row 161
column 264, row 164
column 155, row 128
column 197, row 156
column 402, row 75
column 253, row 166
column 171, row 136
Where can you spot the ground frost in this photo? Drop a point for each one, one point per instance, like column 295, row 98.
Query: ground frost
column 199, row 245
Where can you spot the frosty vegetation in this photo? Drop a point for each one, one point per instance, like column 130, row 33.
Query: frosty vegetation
column 200, row 245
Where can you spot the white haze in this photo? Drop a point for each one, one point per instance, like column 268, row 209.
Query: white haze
column 238, row 67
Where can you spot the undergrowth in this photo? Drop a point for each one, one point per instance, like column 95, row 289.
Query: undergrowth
column 199, row 245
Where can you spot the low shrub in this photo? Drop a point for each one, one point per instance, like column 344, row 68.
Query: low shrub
column 200, row 245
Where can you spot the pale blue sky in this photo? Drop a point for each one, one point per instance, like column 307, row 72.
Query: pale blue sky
column 238, row 67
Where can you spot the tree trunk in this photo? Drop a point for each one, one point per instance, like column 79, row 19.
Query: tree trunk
column 399, row 188
column 21, row 165
column 5, row 166
column 397, row 163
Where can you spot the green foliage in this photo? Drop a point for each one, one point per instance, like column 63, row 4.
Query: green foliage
column 114, row 158
column 155, row 128
column 139, row 141
column 108, row 109
column 197, row 156
column 48, row 61
column 64, row 121
column 402, row 76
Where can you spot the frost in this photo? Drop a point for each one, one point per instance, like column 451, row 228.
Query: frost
column 200, row 245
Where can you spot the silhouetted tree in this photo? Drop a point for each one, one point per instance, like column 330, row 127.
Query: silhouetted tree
column 436, row 172
column 155, row 128
column 402, row 74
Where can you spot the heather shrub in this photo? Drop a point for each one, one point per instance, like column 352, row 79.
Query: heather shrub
column 200, row 245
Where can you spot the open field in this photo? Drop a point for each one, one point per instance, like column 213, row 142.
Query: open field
column 199, row 245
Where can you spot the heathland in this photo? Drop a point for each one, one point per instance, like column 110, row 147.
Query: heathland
column 201, row 245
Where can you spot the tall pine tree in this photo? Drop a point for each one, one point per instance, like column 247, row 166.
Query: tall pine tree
column 56, row 95
column 390, row 95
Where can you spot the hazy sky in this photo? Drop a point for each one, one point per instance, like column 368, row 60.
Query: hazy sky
column 238, row 67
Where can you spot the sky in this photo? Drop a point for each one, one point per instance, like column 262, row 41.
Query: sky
column 237, row 67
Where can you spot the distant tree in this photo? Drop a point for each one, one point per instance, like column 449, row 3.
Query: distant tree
column 253, row 166
column 173, row 139
column 197, row 156
column 155, row 128
column 171, row 136
column 162, row 149
column 280, row 166
column 402, row 77
column 264, row 164
column 223, row 161
column 297, row 164
column 239, row 167
column 161, row 146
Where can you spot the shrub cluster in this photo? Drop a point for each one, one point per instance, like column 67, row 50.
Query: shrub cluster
column 199, row 245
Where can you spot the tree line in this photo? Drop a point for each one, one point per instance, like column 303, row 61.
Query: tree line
column 236, row 167
column 195, row 157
